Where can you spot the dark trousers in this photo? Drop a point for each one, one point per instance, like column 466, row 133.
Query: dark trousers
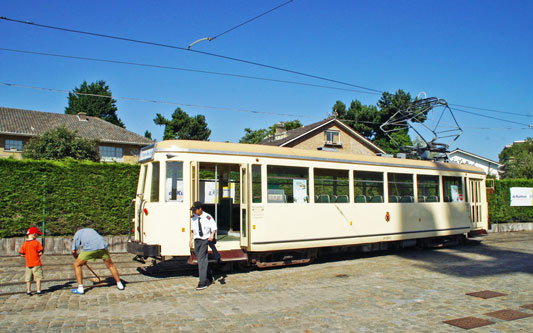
column 200, row 250
column 216, row 255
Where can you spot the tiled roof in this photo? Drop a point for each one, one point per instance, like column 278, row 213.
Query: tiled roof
column 298, row 132
column 294, row 133
column 31, row 123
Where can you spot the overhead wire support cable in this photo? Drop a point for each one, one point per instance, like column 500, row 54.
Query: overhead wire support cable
column 184, row 69
column 492, row 110
column 195, row 51
column 490, row 117
column 237, row 26
column 253, row 18
column 152, row 101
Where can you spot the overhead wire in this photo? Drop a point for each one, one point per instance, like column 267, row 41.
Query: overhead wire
column 247, row 62
column 190, row 50
column 152, row 101
column 253, row 18
column 468, row 127
column 237, row 109
column 184, row 69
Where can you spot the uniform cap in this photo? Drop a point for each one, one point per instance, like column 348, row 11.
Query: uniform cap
column 33, row 230
column 196, row 205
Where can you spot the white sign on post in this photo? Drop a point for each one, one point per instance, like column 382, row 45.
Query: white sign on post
column 521, row 196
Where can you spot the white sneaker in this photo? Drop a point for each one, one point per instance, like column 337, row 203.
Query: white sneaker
column 120, row 286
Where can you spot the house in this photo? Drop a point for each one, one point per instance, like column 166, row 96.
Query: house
column 328, row 134
column 463, row 157
column 115, row 143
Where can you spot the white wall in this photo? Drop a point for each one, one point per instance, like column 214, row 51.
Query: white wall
column 489, row 168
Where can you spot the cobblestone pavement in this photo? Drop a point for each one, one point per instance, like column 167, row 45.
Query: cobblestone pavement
column 395, row 291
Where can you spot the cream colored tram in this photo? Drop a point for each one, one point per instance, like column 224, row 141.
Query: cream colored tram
column 282, row 205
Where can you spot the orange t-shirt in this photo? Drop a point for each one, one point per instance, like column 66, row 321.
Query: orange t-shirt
column 30, row 249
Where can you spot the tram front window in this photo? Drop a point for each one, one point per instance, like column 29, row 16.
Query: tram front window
column 174, row 182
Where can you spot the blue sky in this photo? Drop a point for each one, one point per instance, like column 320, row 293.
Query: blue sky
column 474, row 53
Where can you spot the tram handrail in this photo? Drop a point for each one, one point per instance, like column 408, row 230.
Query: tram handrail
column 129, row 218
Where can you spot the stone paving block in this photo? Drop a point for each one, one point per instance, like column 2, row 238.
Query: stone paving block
column 404, row 290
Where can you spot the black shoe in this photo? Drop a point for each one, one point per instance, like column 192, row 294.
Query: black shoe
column 201, row 286
column 28, row 293
column 39, row 293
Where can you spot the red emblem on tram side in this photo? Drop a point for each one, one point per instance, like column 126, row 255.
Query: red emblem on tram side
column 387, row 217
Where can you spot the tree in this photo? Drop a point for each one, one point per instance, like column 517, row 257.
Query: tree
column 60, row 143
column 367, row 119
column 517, row 160
column 95, row 106
column 148, row 135
column 253, row 136
column 182, row 126
column 256, row 136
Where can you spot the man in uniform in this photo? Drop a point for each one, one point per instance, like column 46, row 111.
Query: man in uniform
column 203, row 230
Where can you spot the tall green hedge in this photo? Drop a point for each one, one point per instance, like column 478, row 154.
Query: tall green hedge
column 500, row 209
column 71, row 193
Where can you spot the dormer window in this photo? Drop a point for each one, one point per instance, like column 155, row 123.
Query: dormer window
column 332, row 137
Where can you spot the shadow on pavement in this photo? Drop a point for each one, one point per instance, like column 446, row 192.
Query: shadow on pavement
column 472, row 260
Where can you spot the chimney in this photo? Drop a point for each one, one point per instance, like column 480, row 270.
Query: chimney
column 280, row 128
column 82, row 116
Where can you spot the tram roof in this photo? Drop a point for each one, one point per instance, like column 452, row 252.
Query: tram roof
column 240, row 149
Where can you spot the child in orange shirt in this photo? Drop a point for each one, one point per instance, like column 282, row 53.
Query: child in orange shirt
column 32, row 250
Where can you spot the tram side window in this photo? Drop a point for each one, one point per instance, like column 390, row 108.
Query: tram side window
column 332, row 186
column 174, row 182
column 428, row 188
column 400, row 187
column 287, row 184
column 453, row 189
column 368, row 186
column 154, row 195
column 256, row 183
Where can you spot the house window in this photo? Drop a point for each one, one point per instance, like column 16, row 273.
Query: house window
column 108, row 153
column 332, row 137
column 13, row 144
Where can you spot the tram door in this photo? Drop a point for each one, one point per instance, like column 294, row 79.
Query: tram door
column 476, row 203
column 244, row 211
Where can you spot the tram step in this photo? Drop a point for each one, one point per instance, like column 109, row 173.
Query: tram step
column 225, row 256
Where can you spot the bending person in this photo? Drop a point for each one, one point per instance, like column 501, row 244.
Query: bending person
column 93, row 247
